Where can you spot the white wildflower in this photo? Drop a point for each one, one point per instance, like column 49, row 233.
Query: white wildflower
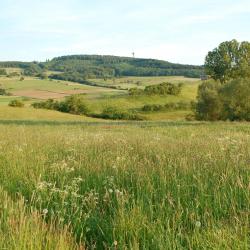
column 45, row 211
column 198, row 224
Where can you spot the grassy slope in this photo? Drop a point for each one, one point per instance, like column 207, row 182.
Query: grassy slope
column 10, row 113
column 149, row 186
column 98, row 98
column 31, row 83
column 140, row 82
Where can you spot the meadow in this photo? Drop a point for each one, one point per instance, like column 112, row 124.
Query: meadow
column 124, row 185
column 98, row 98
column 75, row 182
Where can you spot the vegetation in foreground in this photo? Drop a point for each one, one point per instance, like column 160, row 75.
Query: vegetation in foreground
column 138, row 186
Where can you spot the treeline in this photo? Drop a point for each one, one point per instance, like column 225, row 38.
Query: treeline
column 96, row 66
column 164, row 88
column 28, row 68
column 80, row 67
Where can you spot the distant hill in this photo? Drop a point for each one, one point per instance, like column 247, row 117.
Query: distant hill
column 82, row 67
column 110, row 66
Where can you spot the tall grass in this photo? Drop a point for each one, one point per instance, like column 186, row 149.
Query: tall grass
column 126, row 186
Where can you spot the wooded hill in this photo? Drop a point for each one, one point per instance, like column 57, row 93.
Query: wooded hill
column 97, row 66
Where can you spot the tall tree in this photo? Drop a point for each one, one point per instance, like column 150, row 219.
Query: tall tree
column 229, row 61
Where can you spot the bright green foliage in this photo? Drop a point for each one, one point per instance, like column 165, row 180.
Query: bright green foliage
column 229, row 61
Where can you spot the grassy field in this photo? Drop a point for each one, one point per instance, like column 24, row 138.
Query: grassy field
column 97, row 98
column 30, row 114
column 43, row 89
column 142, row 185
column 141, row 82
column 73, row 182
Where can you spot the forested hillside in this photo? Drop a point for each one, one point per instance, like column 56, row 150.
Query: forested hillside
column 80, row 67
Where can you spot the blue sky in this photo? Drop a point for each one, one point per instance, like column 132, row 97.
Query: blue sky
column 173, row 30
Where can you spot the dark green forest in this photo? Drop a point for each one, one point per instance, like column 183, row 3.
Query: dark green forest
column 81, row 67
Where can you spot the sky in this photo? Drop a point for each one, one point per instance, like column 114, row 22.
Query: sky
column 178, row 31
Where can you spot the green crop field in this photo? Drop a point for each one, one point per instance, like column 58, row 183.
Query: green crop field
column 124, row 185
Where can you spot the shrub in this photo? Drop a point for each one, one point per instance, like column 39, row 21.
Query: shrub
column 74, row 104
column 3, row 72
column 48, row 104
column 16, row 103
column 235, row 97
column 114, row 113
column 135, row 91
column 42, row 75
column 167, row 107
column 3, row 92
column 13, row 74
column 224, row 102
column 208, row 106
column 164, row 88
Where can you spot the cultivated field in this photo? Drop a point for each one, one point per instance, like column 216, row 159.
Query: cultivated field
column 142, row 185
column 43, row 89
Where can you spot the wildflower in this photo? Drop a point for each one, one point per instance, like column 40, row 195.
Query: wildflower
column 198, row 224
column 45, row 211
column 41, row 185
column 118, row 192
